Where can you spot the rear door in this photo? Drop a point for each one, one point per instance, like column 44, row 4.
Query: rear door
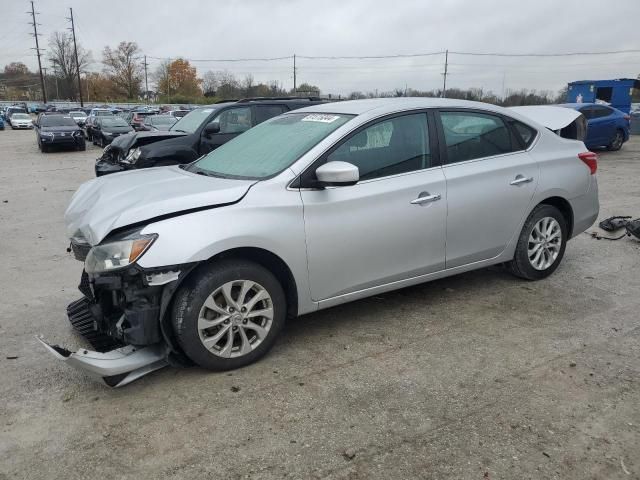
column 490, row 180
column 232, row 121
column 603, row 122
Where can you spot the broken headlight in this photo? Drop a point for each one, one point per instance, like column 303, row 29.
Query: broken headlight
column 118, row 254
column 133, row 156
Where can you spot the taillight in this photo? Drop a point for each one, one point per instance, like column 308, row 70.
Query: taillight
column 590, row 159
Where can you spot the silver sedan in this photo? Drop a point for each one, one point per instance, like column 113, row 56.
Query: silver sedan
column 311, row 209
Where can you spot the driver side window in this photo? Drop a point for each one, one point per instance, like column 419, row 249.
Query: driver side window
column 392, row 146
column 235, row 120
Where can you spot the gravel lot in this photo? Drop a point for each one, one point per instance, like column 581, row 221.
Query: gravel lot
column 477, row 376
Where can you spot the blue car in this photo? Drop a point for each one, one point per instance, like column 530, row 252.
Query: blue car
column 606, row 126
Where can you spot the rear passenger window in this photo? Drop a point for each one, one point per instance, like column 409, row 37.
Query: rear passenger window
column 599, row 112
column 265, row 112
column 525, row 132
column 393, row 146
column 470, row 135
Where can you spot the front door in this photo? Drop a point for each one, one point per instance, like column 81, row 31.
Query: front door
column 490, row 183
column 232, row 121
column 390, row 225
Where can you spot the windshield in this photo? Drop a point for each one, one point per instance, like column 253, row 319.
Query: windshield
column 191, row 121
column 270, row 147
column 102, row 113
column 113, row 122
column 19, row 116
column 57, row 121
column 162, row 120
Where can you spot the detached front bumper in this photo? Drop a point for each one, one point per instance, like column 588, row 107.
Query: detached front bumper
column 117, row 367
column 104, row 167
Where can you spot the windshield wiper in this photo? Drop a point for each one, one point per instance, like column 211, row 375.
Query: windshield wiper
column 178, row 130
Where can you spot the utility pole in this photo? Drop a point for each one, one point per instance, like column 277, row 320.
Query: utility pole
column 295, row 87
column 37, row 49
column 446, row 68
column 146, row 82
column 75, row 51
column 45, row 81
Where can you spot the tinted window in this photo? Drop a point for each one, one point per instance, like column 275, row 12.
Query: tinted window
column 235, row 120
column 599, row 112
column 525, row 132
column 587, row 112
column 470, row 135
column 265, row 112
column 393, row 146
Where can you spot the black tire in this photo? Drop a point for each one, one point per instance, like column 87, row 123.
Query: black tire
column 44, row 149
column 191, row 297
column 617, row 141
column 521, row 266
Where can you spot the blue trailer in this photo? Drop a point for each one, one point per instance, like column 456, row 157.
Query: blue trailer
column 617, row 93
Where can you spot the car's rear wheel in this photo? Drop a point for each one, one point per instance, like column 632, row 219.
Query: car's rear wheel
column 541, row 244
column 229, row 315
column 618, row 140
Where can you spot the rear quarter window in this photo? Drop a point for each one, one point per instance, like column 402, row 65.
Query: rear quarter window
column 524, row 133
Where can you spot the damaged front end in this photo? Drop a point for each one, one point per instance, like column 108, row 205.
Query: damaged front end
column 120, row 315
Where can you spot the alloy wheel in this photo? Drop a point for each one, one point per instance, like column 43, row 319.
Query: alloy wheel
column 545, row 242
column 617, row 141
column 235, row 318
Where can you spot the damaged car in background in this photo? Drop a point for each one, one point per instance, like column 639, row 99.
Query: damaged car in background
column 195, row 134
column 202, row 263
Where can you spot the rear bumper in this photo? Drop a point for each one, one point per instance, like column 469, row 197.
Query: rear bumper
column 586, row 208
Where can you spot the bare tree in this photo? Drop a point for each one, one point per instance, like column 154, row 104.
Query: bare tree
column 62, row 58
column 210, row 83
column 123, row 68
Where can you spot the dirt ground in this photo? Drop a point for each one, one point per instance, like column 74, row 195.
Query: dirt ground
column 477, row 376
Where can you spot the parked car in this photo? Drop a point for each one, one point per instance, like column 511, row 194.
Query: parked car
column 79, row 116
column 11, row 110
column 58, row 131
column 1, row 123
column 311, row 209
column 20, row 121
column 177, row 113
column 202, row 130
column 154, row 123
column 105, row 129
column 606, row 126
column 136, row 118
column 88, row 124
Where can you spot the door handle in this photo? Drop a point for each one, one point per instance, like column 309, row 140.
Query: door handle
column 520, row 180
column 425, row 197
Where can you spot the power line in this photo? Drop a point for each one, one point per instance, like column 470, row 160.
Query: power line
column 226, row 59
column 566, row 54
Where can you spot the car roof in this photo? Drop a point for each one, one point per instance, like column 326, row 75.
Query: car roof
column 380, row 106
column 579, row 105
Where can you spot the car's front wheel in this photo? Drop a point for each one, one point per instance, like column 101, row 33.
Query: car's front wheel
column 229, row 314
column 541, row 244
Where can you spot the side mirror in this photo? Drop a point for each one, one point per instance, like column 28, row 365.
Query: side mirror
column 337, row 174
column 212, row 128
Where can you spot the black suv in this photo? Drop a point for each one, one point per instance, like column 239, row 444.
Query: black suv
column 196, row 134
column 58, row 131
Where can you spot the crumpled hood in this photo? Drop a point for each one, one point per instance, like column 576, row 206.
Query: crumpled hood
column 113, row 201
column 135, row 139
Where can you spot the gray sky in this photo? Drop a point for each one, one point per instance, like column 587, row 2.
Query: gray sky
column 200, row 29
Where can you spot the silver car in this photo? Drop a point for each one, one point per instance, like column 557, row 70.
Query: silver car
column 321, row 206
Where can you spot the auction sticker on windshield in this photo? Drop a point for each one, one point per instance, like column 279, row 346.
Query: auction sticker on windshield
column 320, row 117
